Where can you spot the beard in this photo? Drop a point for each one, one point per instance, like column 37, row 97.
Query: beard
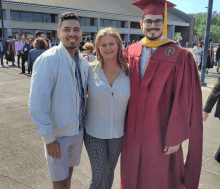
column 153, row 37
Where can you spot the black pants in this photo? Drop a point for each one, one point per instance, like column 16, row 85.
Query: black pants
column 1, row 57
column 23, row 64
column 18, row 60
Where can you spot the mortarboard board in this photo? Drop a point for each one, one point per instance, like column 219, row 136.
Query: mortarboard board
column 155, row 7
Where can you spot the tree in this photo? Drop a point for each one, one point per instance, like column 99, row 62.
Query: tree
column 177, row 34
column 200, row 25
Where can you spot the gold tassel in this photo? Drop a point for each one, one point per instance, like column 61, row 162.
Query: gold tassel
column 165, row 21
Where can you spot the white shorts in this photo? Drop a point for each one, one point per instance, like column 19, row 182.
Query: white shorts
column 71, row 149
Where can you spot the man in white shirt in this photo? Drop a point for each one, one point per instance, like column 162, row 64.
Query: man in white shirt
column 57, row 101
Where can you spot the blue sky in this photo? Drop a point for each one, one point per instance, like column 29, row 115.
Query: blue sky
column 195, row 6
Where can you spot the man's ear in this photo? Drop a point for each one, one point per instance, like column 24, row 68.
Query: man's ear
column 58, row 33
column 141, row 23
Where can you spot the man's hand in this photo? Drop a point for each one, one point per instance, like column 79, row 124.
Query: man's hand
column 53, row 149
column 205, row 116
column 171, row 150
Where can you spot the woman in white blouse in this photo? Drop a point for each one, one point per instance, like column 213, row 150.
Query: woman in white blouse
column 109, row 92
column 197, row 53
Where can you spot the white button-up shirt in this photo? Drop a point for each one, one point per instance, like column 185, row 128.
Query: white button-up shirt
column 106, row 105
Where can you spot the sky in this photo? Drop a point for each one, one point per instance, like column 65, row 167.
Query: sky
column 195, row 6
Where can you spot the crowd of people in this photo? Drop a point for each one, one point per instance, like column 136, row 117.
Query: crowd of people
column 25, row 50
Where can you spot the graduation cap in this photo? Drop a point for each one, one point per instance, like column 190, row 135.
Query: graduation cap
column 155, row 7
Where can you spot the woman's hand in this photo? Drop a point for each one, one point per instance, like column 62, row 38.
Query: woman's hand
column 205, row 116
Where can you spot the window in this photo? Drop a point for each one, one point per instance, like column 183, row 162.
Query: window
column 114, row 23
column 47, row 18
column 107, row 23
column 16, row 31
column 53, row 18
column 126, row 24
column 37, row 17
column 135, row 25
column 83, row 21
column 27, row 32
column 87, row 21
column 102, row 22
column 92, row 22
column 15, row 15
column 122, row 24
column 26, row 16
column 119, row 24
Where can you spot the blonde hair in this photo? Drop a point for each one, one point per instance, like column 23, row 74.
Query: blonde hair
column 120, row 58
column 89, row 46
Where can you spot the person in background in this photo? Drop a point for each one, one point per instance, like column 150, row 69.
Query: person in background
column 123, row 46
column 179, row 41
column 108, row 95
column 212, row 99
column 54, row 43
column 217, row 57
column 15, row 39
column 210, row 57
column 197, row 53
column 48, row 43
column 91, row 42
column 25, row 50
column 187, row 45
column 40, row 46
column 88, row 50
column 200, row 65
column 10, row 51
column 39, row 34
column 1, row 52
column 18, row 47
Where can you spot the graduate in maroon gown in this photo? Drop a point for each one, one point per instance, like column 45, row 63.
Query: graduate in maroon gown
column 165, row 109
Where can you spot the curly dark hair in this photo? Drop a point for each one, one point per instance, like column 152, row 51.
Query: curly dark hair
column 40, row 43
column 67, row 16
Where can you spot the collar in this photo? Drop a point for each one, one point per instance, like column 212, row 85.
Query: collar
column 155, row 44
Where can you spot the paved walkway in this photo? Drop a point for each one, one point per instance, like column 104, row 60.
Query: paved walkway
column 22, row 160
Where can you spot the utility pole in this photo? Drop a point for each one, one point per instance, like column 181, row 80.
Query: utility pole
column 207, row 34
column 3, row 33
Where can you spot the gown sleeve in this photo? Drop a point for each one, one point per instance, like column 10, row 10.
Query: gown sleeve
column 185, row 120
column 213, row 97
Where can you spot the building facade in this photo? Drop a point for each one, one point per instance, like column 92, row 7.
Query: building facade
column 25, row 17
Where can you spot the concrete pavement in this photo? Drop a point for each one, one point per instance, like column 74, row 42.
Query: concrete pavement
column 22, row 161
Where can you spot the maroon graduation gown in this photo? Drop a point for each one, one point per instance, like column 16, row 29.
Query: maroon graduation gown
column 165, row 109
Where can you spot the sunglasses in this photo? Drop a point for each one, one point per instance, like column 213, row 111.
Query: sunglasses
column 157, row 22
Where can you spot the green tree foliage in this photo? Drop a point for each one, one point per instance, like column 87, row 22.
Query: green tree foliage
column 177, row 34
column 200, row 26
